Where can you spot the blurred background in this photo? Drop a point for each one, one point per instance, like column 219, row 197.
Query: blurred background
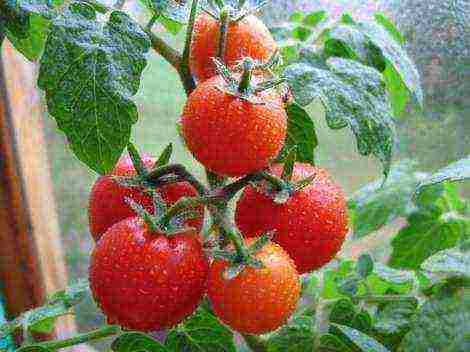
column 433, row 138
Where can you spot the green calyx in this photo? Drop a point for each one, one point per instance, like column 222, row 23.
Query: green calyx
column 236, row 12
column 238, row 262
column 172, row 220
column 241, row 85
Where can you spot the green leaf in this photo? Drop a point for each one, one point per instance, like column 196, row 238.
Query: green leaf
column 332, row 343
column 395, row 317
column 390, row 27
column 27, row 24
column 396, row 56
column 136, row 342
column 313, row 19
column 441, row 325
column 450, row 262
column 301, row 33
column 372, row 45
column 360, row 340
column 434, row 226
column 297, row 17
column 354, row 95
column 393, row 276
column 365, row 265
column 165, row 156
column 89, row 71
column 41, row 318
column 297, row 336
column 332, row 279
column 301, row 134
column 377, row 204
column 201, row 332
column 32, row 45
column 458, row 171
column 347, row 18
column 399, row 94
column 176, row 11
column 45, row 326
column 342, row 312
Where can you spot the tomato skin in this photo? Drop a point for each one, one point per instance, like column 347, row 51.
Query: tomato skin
column 146, row 281
column 246, row 38
column 257, row 300
column 229, row 135
column 107, row 204
column 311, row 226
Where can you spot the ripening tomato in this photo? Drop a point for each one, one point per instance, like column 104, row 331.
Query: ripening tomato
column 311, row 226
column 107, row 204
column 230, row 135
column 246, row 38
column 257, row 300
column 144, row 280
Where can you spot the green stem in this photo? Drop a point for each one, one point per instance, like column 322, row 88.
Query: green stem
column 150, row 23
column 278, row 183
column 255, row 343
column 185, row 70
column 229, row 191
column 161, row 47
column 180, row 206
column 214, row 180
column 224, row 22
column 178, row 170
column 245, row 81
column 105, row 331
column 229, row 232
column 241, row 3
column 384, row 298
column 220, row 4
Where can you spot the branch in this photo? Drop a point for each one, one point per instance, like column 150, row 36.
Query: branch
column 161, row 47
column 185, row 71
column 105, row 331
column 224, row 22
column 180, row 171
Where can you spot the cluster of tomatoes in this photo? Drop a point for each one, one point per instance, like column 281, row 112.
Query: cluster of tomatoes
column 146, row 279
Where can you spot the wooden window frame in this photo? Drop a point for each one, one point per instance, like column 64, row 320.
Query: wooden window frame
column 31, row 256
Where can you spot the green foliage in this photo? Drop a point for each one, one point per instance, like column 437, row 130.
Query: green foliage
column 442, row 324
column 136, row 341
column 358, row 339
column 42, row 319
column 395, row 317
column 449, row 263
column 375, row 45
column 201, row 332
column 297, row 336
column 301, row 134
column 378, row 204
column 89, row 71
column 26, row 24
column 365, row 265
column 354, row 95
column 437, row 223
column 457, row 171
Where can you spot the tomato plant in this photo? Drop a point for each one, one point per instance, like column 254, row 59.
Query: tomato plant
column 272, row 269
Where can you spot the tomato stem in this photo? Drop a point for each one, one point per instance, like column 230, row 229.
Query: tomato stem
column 105, row 331
column 245, row 82
column 224, row 22
column 181, row 205
column 178, row 170
column 185, row 70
